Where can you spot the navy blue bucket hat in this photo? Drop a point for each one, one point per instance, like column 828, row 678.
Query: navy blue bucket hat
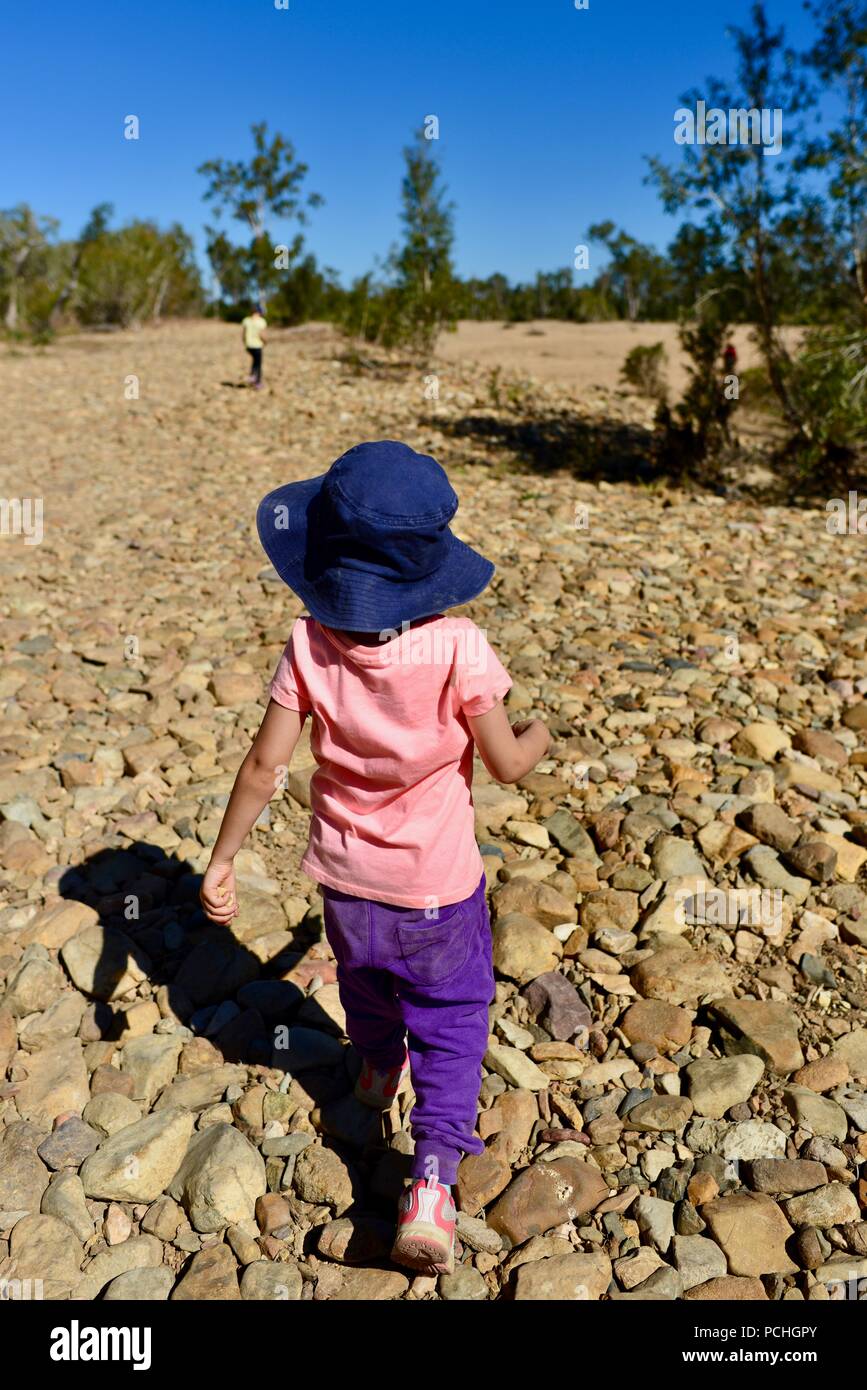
column 367, row 545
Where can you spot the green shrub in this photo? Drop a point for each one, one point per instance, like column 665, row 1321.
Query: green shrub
column 644, row 368
column 829, row 377
column 757, row 393
column 694, row 437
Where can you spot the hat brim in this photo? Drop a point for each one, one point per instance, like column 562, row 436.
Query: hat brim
column 352, row 598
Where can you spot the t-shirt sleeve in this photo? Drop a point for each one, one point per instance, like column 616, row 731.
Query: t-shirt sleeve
column 287, row 684
column 480, row 677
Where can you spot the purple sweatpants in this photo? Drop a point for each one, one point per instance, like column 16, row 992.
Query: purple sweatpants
column 429, row 981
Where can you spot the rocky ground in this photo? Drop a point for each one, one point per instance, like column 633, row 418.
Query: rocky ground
column 674, row 1102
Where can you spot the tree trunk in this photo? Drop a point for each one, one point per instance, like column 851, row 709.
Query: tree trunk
column 860, row 259
column 65, row 295
column 774, row 354
column 11, row 318
column 18, row 264
column 159, row 297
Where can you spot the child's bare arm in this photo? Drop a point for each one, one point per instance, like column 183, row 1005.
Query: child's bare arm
column 258, row 778
column 509, row 751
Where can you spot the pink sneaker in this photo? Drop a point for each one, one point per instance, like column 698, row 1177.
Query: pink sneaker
column 379, row 1088
column 425, row 1237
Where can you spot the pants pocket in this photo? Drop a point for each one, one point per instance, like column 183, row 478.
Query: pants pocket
column 431, row 950
column 346, row 921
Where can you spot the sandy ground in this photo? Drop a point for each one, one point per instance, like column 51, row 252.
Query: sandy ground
column 584, row 356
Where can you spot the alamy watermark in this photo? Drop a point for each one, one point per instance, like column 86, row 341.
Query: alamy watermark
column 737, row 126
column 77, row 1343
column 22, row 516
column 846, row 516
column 435, row 646
column 853, row 1289
column 21, row 1290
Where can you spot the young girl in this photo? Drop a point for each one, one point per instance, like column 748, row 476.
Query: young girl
column 399, row 696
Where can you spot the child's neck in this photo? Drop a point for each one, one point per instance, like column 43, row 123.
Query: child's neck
column 375, row 639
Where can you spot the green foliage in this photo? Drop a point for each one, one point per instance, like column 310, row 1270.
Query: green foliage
column 423, row 299
column 305, row 292
column 65, row 298
column 644, row 368
column 770, row 241
column 757, row 393
column 136, row 274
column 791, row 247
column 637, row 278
column 122, row 277
column 695, row 434
column 369, row 310
column 265, row 188
column 232, row 273
column 416, row 296
column 495, row 387
column 698, row 262
column 746, row 195
column 830, row 377
column 25, row 258
column 838, row 59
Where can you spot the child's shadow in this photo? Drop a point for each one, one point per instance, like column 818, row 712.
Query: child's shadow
column 214, row 984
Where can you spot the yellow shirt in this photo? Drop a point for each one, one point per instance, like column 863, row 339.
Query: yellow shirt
column 253, row 326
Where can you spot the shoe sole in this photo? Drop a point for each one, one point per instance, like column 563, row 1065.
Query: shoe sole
column 423, row 1253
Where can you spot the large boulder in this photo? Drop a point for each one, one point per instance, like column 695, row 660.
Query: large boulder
column 104, row 962
column 219, row 1180
column 137, row 1163
column 544, row 1196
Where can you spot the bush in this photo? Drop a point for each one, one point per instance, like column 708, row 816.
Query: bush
column 695, row 433
column 137, row 273
column 757, row 393
column 644, row 368
column 829, row 377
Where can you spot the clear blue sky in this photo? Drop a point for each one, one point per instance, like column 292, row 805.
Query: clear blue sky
column 545, row 110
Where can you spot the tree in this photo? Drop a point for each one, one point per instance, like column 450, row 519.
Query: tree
column 255, row 192
column 23, row 247
column 230, row 269
column 423, row 273
column 484, row 299
column 746, row 192
column 839, row 59
column 95, row 227
column 696, row 432
column 636, row 276
column 697, row 260
column 138, row 273
column 306, row 292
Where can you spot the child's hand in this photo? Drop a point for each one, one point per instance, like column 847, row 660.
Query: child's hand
column 509, row 751
column 543, row 733
column 217, row 894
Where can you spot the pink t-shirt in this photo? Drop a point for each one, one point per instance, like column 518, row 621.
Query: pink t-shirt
column 392, row 807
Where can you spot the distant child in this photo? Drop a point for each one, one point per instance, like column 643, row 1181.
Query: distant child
column 253, row 336
column 399, row 695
